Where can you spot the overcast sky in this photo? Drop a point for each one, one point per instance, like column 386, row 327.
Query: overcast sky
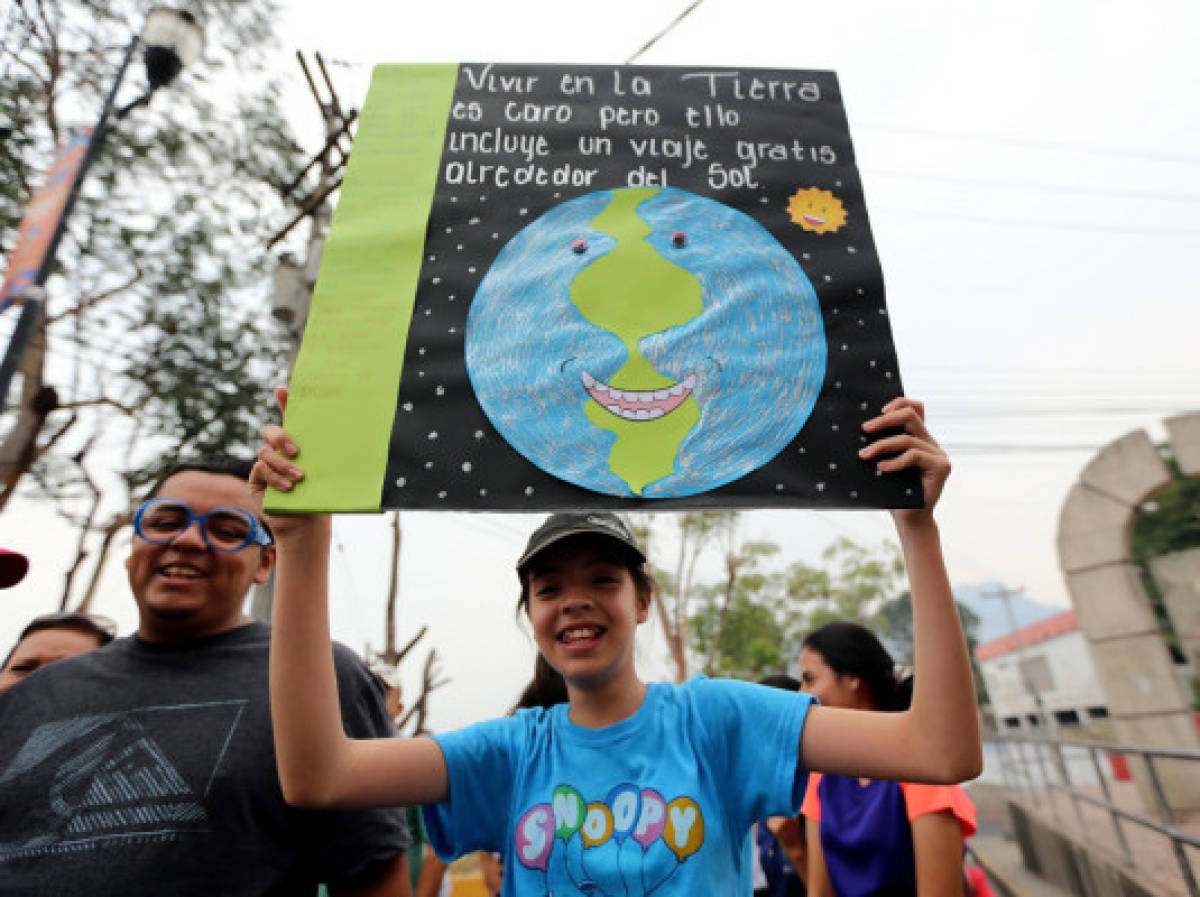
column 1032, row 173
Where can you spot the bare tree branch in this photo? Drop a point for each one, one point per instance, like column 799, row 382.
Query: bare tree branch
column 85, row 527
column 111, row 529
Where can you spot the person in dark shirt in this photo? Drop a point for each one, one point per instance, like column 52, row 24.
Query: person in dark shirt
column 147, row 767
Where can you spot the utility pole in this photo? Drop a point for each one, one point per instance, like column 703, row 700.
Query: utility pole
column 294, row 277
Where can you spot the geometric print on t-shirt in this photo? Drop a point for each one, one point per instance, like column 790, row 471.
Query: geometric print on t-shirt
column 119, row 778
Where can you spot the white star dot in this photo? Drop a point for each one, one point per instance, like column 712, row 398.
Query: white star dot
column 529, row 490
column 432, row 435
column 407, row 406
column 441, row 495
column 400, row 481
column 441, row 390
column 478, row 434
column 429, row 465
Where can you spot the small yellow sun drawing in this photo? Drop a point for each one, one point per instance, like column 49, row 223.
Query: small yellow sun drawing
column 817, row 210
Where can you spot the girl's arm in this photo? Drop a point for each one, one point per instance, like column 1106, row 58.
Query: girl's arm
column 938, row 849
column 937, row 738
column 319, row 766
column 818, row 882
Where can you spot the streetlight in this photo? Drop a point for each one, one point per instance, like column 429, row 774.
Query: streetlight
column 172, row 39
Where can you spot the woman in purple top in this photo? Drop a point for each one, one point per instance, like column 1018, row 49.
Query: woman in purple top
column 866, row 837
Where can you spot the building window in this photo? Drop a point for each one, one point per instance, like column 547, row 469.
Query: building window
column 1066, row 717
column 1033, row 719
column 1035, row 671
column 1097, row 713
column 1012, row 722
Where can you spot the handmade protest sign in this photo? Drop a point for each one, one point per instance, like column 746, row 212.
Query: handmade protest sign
column 596, row 286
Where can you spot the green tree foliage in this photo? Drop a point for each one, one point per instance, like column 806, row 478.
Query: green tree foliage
column 158, row 341
column 1167, row 523
column 894, row 625
column 750, row 622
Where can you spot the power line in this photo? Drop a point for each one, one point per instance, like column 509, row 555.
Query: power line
column 1029, row 143
column 1034, row 187
column 1028, row 222
column 679, row 18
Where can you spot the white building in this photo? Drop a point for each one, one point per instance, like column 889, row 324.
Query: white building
column 1047, row 663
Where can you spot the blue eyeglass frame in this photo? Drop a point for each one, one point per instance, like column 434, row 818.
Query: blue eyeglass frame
column 257, row 535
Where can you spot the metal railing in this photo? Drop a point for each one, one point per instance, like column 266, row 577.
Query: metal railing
column 1063, row 753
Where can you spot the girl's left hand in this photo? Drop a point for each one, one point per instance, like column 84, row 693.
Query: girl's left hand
column 914, row 447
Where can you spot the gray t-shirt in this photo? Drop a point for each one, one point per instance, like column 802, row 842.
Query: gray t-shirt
column 146, row 768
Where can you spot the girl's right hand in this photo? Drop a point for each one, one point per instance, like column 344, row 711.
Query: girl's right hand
column 275, row 468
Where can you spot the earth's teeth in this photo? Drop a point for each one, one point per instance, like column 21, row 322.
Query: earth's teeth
column 638, row 404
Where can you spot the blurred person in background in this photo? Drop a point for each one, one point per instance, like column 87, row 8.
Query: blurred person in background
column 780, row 854
column 867, row 837
column 52, row 637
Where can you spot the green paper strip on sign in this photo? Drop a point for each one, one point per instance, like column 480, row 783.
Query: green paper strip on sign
column 343, row 388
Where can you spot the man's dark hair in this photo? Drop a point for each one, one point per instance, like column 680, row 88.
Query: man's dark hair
column 230, row 466
column 224, row 465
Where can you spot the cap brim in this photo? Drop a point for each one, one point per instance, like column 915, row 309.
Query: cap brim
column 557, row 537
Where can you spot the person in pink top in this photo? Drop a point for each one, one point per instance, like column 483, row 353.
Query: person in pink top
column 868, row 837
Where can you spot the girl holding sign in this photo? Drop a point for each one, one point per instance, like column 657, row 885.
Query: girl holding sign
column 630, row 788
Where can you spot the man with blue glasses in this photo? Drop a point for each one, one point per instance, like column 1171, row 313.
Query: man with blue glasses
column 147, row 767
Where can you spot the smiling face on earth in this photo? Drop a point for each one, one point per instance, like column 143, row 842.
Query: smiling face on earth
column 645, row 342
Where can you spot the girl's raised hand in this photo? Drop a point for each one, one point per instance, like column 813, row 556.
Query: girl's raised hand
column 274, row 466
column 914, row 447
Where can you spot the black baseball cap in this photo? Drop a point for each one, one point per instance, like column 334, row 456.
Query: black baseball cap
column 561, row 526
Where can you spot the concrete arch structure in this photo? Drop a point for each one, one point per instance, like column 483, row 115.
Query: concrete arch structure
column 1147, row 702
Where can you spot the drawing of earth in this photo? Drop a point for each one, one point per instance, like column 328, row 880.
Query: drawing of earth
column 646, row 342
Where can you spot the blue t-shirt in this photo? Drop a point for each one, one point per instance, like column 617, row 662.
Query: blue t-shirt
column 659, row 803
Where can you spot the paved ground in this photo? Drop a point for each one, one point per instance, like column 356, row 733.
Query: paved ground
column 1148, row 852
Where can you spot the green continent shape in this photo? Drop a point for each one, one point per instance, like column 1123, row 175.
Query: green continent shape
column 633, row 292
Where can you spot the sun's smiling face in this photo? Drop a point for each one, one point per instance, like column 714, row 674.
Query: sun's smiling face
column 817, row 210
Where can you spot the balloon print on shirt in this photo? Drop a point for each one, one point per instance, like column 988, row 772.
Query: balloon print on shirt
column 626, row 845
